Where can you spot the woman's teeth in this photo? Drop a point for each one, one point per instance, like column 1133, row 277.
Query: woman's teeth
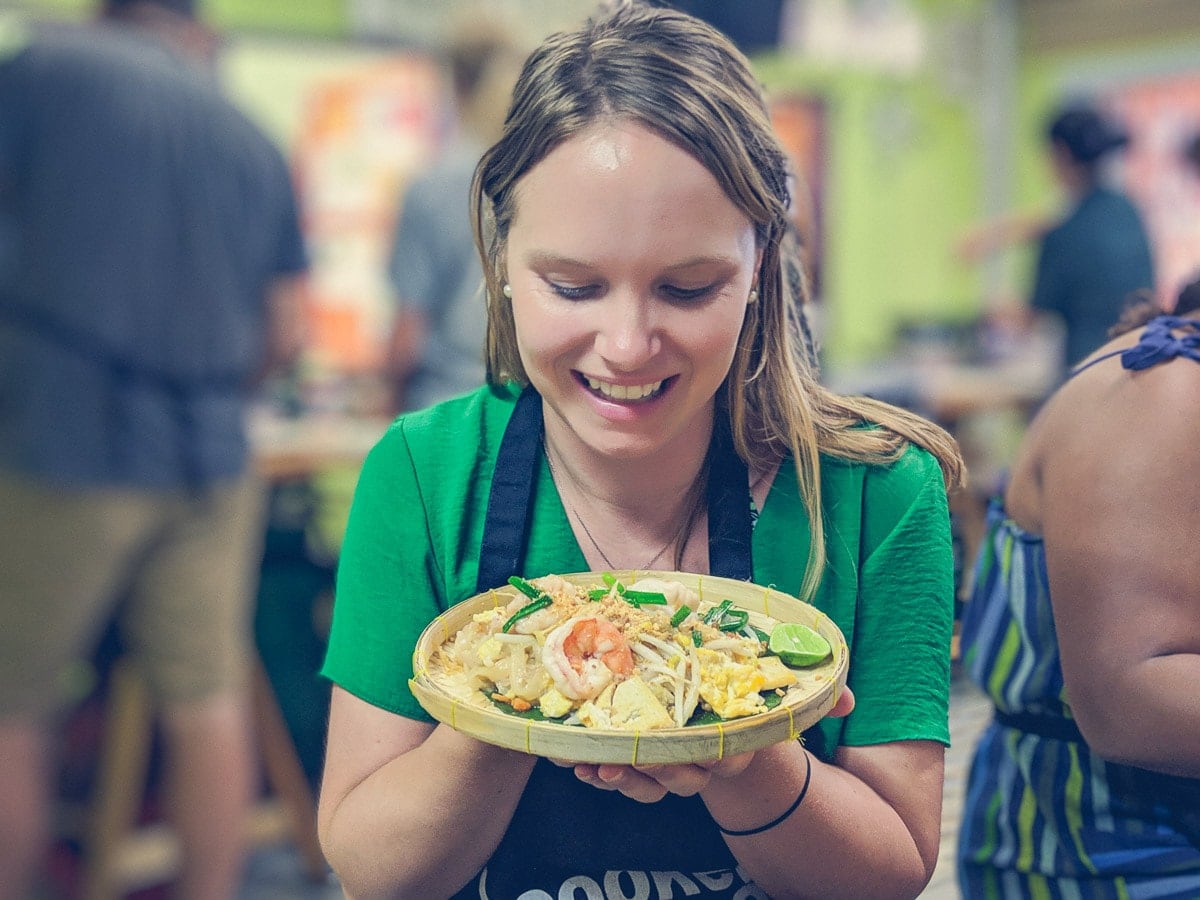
column 623, row 391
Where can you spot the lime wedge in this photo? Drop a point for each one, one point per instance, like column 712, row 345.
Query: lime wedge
column 797, row 645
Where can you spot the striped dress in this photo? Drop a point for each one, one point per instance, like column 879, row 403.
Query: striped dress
column 1044, row 816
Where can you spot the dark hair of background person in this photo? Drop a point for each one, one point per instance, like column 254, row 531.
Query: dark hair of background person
column 753, row 27
column 183, row 7
column 471, row 54
column 1144, row 306
column 1086, row 133
column 1191, row 153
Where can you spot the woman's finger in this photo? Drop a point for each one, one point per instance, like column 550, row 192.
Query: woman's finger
column 843, row 705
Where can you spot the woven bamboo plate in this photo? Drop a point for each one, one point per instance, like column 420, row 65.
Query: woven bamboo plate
column 804, row 704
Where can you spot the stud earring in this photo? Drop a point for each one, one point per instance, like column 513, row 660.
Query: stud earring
column 507, row 290
column 753, row 295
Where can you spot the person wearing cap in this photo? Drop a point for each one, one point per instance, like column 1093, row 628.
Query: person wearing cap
column 150, row 261
column 1093, row 254
column 1099, row 254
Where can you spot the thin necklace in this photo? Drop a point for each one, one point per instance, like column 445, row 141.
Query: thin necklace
column 604, row 556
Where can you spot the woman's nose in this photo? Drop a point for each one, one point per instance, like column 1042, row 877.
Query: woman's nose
column 628, row 335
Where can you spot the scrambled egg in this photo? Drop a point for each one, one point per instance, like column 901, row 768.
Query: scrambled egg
column 775, row 674
column 731, row 689
column 489, row 651
column 629, row 705
column 554, row 703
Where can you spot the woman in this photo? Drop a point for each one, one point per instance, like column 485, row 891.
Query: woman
column 648, row 387
column 1099, row 253
column 1090, row 257
column 1085, row 631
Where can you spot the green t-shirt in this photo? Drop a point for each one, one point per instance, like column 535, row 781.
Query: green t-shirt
column 412, row 544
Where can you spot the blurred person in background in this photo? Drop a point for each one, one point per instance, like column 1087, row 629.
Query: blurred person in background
column 437, row 345
column 1084, row 630
column 1191, row 153
column 1095, row 255
column 151, row 275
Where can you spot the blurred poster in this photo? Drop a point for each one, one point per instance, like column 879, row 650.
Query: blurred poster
column 1161, row 114
column 799, row 121
column 362, row 137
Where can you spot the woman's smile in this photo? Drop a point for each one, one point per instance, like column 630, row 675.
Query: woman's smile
column 624, row 393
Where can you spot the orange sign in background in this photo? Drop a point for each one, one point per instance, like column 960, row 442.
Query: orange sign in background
column 362, row 137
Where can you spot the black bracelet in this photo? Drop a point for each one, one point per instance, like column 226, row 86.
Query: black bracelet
column 787, row 812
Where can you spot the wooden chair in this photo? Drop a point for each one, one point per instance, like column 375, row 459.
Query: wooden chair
column 120, row 855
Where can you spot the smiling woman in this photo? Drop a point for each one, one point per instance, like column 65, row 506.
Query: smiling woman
column 627, row 318
column 649, row 392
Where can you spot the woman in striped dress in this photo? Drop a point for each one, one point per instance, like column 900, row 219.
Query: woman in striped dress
column 1087, row 783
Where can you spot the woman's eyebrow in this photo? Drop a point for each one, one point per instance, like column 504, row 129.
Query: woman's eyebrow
column 549, row 259
column 694, row 261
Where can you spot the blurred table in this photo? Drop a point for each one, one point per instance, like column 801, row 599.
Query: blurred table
column 288, row 447
column 984, row 399
column 947, row 389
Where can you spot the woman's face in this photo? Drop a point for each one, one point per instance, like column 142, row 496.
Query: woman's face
column 630, row 271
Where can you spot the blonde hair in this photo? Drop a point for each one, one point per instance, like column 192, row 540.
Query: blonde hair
column 682, row 79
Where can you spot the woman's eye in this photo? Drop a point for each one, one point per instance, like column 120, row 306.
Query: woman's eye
column 684, row 294
column 573, row 292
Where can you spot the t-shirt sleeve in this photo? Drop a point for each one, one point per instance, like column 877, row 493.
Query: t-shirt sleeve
column 1050, row 275
column 291, row 256
column 387, row 586
column 900, row 666
column 416, row 254
column 15, row 93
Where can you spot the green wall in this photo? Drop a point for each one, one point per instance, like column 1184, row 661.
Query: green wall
column 327, row 18
column 902, row 184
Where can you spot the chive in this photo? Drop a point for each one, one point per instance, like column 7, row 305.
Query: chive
column 609, row 578
column 532, row 591
column 734, row 620
column 637, row 598
column 717, row 612
column 598, row 593
column 527, row 610
column 682, row 613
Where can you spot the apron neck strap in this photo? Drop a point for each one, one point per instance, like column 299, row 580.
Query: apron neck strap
column 510, row 506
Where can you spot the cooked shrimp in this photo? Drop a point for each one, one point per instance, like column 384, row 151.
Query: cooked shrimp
column 584, row 655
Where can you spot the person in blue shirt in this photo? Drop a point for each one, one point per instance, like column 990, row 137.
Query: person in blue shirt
column 1100, row 253
column 150, row 259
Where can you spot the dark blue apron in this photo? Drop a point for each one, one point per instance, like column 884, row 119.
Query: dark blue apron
column 568, row 839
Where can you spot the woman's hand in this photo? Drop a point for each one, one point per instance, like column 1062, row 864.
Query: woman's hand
column 649, row 784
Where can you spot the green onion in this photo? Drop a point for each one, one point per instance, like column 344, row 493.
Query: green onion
column 540, row 600
column 531, row 591
column 697, row 640
column 682, row 613
column 598, row 594
column 717, row 612
column 527, row 610
column 651, row 598
column 609, row 578
column 734, row 620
